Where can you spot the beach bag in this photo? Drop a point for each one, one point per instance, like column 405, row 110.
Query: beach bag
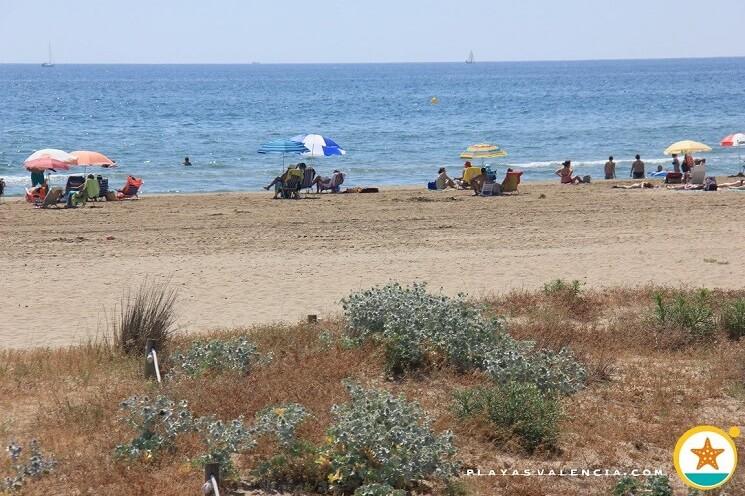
column 432, row 185
column 710, row 184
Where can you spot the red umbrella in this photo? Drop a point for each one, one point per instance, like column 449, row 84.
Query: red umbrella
column 46, row 164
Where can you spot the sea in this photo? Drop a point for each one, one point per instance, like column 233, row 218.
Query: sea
column 149, row 117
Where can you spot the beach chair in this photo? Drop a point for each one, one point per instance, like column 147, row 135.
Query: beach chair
column 308, row 176
column 73, row 183
column 103, row 187
column 291, row 188
column 698, row 174
column 674, row 178
column 333, row 184
column 52, row 199
column 491, row 189
column 511, row 182
column 80, row 198
column 131, row 189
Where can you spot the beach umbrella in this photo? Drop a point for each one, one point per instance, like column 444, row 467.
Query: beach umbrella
column 283, row 146
column 686, row 146
column 53, row 153
column 319, row 146
column 88, row 158
column 735, row 140
column 483, row 151
column 43, row 164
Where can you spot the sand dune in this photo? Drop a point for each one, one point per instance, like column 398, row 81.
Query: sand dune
column 241, row 259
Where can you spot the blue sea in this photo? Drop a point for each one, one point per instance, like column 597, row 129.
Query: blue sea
column 149, row 117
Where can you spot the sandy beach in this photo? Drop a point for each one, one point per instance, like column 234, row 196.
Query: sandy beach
column 241, row 259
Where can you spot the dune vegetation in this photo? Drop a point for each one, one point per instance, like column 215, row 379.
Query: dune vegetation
column 409, row 392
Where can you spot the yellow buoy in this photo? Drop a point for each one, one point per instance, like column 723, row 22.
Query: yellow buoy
column 434, row 100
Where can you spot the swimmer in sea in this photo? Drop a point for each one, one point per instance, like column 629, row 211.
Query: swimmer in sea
column 186, row 161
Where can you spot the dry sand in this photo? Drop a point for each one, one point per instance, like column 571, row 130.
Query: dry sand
column 242, row 259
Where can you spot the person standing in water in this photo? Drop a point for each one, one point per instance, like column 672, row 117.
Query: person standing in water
column 187, row 162
column 610, row 168
column 637, row 168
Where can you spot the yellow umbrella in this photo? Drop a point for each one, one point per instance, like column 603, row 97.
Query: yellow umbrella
column 482, row 151
column 686, row 146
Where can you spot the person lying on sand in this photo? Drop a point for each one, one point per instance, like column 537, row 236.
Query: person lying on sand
column 565, row 173
column 644, row 185
column 734, row 185
column 686, row 187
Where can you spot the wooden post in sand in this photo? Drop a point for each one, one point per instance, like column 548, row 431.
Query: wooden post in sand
column 312, row 319
column 212, row 470
column 149, row 362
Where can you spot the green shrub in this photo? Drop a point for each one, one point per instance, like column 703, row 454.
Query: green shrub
column 238, row 354
column 280, row 421
column 733, row 318
column 378, row 440
column 558, row 287
column 157, row 421
column 690, row 316
column 652, row 486
column 549, row 371
column 222, row 440
column 25, row 468
column 378, row 490
column 515, row 410
column 292, row 469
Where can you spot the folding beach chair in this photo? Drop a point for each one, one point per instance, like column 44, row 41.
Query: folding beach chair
column 291, row 188
column 698, row 174
column 308, row 176
column 52, row 199
column 511, row 182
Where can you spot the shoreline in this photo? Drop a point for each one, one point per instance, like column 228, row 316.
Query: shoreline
column 241, row 259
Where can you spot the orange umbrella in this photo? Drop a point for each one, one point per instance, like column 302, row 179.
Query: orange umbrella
column 88, row 158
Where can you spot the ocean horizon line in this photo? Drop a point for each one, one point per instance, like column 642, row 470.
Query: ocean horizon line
column 442, row 62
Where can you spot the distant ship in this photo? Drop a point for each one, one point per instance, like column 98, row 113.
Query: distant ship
column 470, row 59
column 49, row 62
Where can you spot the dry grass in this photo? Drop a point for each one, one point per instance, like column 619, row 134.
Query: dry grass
column 641, row 395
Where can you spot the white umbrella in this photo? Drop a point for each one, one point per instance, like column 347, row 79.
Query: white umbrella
column 54, row 154
column 319, row 146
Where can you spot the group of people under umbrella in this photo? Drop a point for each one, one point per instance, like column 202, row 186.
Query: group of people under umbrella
column 79, row 188
column 298, row 177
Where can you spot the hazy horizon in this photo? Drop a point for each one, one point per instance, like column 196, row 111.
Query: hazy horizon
column 333, row 31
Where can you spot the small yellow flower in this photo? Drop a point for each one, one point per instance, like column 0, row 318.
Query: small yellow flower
column 280, row 411
column 322, row 460
column 329, row 440
column 335, row 477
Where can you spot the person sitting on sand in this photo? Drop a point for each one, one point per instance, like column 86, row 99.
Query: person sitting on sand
column 187, row 162
column 565, row 173
column 644, row 185
column 637, row 168
column 443, row 181
column 610, row 168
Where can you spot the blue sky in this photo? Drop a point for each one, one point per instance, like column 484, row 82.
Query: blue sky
column 242, row 31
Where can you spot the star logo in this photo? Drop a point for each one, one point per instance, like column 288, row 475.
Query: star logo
column 707, row 455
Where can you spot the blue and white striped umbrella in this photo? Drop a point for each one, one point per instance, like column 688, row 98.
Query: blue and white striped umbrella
column 283, row 146
column 319, row 146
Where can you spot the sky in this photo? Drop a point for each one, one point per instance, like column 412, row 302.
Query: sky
column 323, row 31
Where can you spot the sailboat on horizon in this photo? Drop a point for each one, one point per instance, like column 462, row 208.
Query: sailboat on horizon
column 470, row 59
column 49, row 62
